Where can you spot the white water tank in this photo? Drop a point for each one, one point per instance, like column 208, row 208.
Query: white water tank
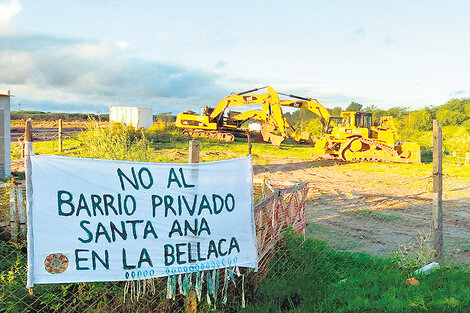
column 133, row 116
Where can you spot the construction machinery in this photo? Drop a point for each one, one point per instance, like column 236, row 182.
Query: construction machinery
column 217, row 123
column 350, row 136
column 213, row 123
column 353, row 137
column 222, row 124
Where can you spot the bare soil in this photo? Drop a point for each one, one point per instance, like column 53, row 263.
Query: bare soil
column 46, row 130
column 378, row 212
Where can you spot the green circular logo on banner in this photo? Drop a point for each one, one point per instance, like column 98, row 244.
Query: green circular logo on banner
column 56, row 263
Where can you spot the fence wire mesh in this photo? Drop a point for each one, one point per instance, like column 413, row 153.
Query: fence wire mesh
column 227, row 289
column 368, row 226
column 342, row 227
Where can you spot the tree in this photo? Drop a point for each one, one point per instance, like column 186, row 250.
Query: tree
column 455, row 105
column 454, row 112
column 336, row 111
column 314, row 128
column 466, row 124
column 370, row 108
column 467, row 108
column 397, row 112
column 354, row 106
column 419, row 120
column 165, row 117
column 448, row 117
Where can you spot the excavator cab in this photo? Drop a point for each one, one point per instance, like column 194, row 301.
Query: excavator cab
column 333, row 122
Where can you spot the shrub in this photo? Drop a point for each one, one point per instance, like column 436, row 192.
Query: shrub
column 162, row 132
column 114, row 142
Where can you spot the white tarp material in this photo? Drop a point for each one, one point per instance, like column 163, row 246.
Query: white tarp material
column 103, row 220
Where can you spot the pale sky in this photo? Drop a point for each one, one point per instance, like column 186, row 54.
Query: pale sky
column 81, row 56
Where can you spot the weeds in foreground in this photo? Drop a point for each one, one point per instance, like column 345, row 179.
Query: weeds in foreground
column 416, row 254
column 307, row 276
column 302, row 276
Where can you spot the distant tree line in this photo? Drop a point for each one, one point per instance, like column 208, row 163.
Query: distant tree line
column 455, row 112
column 50, row 116
column 413, row 125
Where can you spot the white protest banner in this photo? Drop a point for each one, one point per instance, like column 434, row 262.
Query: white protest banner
column 106, row 220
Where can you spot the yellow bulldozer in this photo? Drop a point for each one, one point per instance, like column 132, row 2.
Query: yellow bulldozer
column 353, row 137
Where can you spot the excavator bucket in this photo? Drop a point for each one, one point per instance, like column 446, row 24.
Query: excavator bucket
column 305, row 136
column 276, row 140
column 266, row 131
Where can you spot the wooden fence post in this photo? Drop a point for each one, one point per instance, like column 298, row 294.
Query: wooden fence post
column 191, row 298
column 28, row 130
column 28, row 135
column 248, row 136
column 13, row 214
column 193, row 151
column 437, row 189
column 21, row 208
column 60, row 135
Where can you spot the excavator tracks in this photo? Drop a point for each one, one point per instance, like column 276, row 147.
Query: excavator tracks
column 215, row 135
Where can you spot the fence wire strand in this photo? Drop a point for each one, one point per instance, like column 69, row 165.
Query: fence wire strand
column 338, row 231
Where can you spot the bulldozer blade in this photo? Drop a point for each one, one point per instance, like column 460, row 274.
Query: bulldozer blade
column 412, row 151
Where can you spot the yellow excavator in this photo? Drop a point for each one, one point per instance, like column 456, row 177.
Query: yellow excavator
column 217, row 123
column 350, row 136
column 353, row 137
column 213, row 122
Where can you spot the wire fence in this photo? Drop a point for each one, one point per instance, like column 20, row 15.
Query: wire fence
column 343, row 230
column 45, row 133
column 226, row 289
column 367, row 229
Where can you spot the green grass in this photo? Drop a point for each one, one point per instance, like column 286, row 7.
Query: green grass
column 302, row 276
column 165, row 148
column 80, row 297
column 48, row 147
column 323, row 233
column 306, row 276
column 373, row 214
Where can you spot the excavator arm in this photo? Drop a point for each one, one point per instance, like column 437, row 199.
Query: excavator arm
column 272, row 118
column 309, row 104
column 275, row 127
column 243, row 99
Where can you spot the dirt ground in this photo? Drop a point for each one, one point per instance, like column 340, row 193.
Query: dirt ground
column 378, row 213
column 46, row 130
